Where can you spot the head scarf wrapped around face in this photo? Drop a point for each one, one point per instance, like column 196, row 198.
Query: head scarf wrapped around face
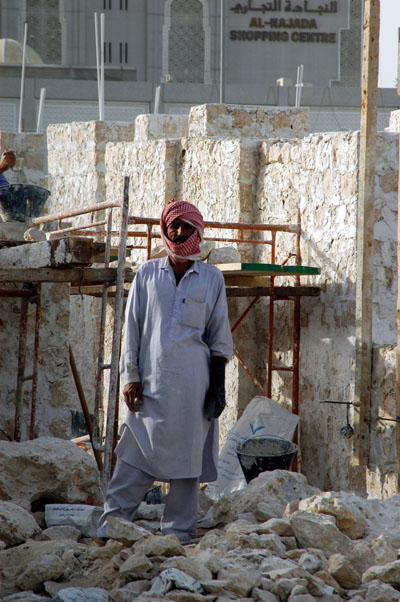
column 190, row 248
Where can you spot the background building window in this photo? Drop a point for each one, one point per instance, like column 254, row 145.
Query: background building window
column 186, row 42
column 107, row 52
column 123, row 52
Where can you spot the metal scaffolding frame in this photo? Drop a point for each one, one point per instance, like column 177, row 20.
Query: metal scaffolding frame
column 103, row 432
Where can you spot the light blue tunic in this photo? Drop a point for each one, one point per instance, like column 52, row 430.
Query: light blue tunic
column 170, row 333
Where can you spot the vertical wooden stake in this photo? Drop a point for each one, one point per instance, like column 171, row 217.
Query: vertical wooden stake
column 365, row 234
column 398, row 342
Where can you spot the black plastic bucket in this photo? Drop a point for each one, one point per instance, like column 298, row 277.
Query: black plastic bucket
column 13, row 201
column 269, row 452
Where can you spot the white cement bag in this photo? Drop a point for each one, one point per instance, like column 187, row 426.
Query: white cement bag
column 81, row 516
column 261, row 417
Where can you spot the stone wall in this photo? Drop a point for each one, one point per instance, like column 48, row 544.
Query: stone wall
column 30, row 167
column 54, row 404
column 233, row 177
column 76, row 162
column 252, row 166
column 319, row 176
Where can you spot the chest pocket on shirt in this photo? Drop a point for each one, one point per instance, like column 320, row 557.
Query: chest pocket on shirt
column 193, row 313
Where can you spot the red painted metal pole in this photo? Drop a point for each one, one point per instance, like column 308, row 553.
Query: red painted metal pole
column 32, row 433
column 20, row 369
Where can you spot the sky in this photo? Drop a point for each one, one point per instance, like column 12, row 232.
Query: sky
column 388, row 43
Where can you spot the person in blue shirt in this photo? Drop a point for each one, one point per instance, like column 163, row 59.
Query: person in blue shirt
column 7, row 160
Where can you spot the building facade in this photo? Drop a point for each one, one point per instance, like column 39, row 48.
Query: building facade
column 195, row 51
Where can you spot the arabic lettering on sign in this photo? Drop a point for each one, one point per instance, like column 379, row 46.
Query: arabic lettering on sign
column 283, row 23
column 286, row 6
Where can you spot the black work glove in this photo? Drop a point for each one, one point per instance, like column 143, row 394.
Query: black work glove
column 214, row 403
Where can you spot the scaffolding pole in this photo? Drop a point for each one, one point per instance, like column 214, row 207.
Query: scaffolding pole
column 365, row 246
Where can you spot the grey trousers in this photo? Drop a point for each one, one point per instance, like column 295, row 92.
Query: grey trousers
column 127, row 489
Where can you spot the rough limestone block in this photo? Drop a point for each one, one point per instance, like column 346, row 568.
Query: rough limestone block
column 191, row 566
column 61, row 532
column 54, row 253
column 239, row 579
column 37, row 469
column 342, row 506
column 124, row 530
column 16, row 524
column 81, row 594
column 157, row 545
column 224, row 255
column 218, row 120
column 371, row 553
column 388, row 573
column 135, row 565
column 148, row 127
column 278, row 486
column 378, row 591
column 343, row 572
column 131, row 591
column 319, row 531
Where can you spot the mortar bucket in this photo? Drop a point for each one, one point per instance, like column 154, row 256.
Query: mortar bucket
column 13, row 201
column 269, row 452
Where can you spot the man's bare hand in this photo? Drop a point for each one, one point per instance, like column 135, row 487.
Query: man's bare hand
column 7, row 160
column 133, row 396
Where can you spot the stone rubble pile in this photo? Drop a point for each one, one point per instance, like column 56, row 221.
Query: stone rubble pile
column 277, row 540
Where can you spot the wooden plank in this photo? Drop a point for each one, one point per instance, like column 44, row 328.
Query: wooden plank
column 265, row 291
column 75, row 274
column 246, row 280
column 269, row 269
column 365, row 238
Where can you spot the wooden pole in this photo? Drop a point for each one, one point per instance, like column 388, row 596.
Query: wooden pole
column 398, row 341
column 85, row 408
column 365, row 237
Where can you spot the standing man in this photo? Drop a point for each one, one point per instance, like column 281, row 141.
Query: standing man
column 7, row 160
column 176, row 343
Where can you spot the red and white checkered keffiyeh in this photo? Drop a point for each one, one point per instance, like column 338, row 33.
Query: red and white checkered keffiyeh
column 190, row 249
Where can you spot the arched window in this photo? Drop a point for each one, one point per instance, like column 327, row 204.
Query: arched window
column 186, row 47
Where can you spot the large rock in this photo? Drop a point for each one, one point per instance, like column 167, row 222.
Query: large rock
column 343, row 572
column 81, row 594
column 160, row 545
column 29, row 565
column 36, row 472
column 371, row 553
column 278, row 486
column 319, row 531
column 240, row 579
column 349, row 518
column 16, row 524
column 191, row 566
column 381, row 592
column 388, row 573
column 124, row 530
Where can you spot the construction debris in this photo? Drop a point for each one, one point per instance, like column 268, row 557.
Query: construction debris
column 314, row 546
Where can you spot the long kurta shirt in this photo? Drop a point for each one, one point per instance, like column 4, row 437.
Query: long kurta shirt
column 171, row 331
